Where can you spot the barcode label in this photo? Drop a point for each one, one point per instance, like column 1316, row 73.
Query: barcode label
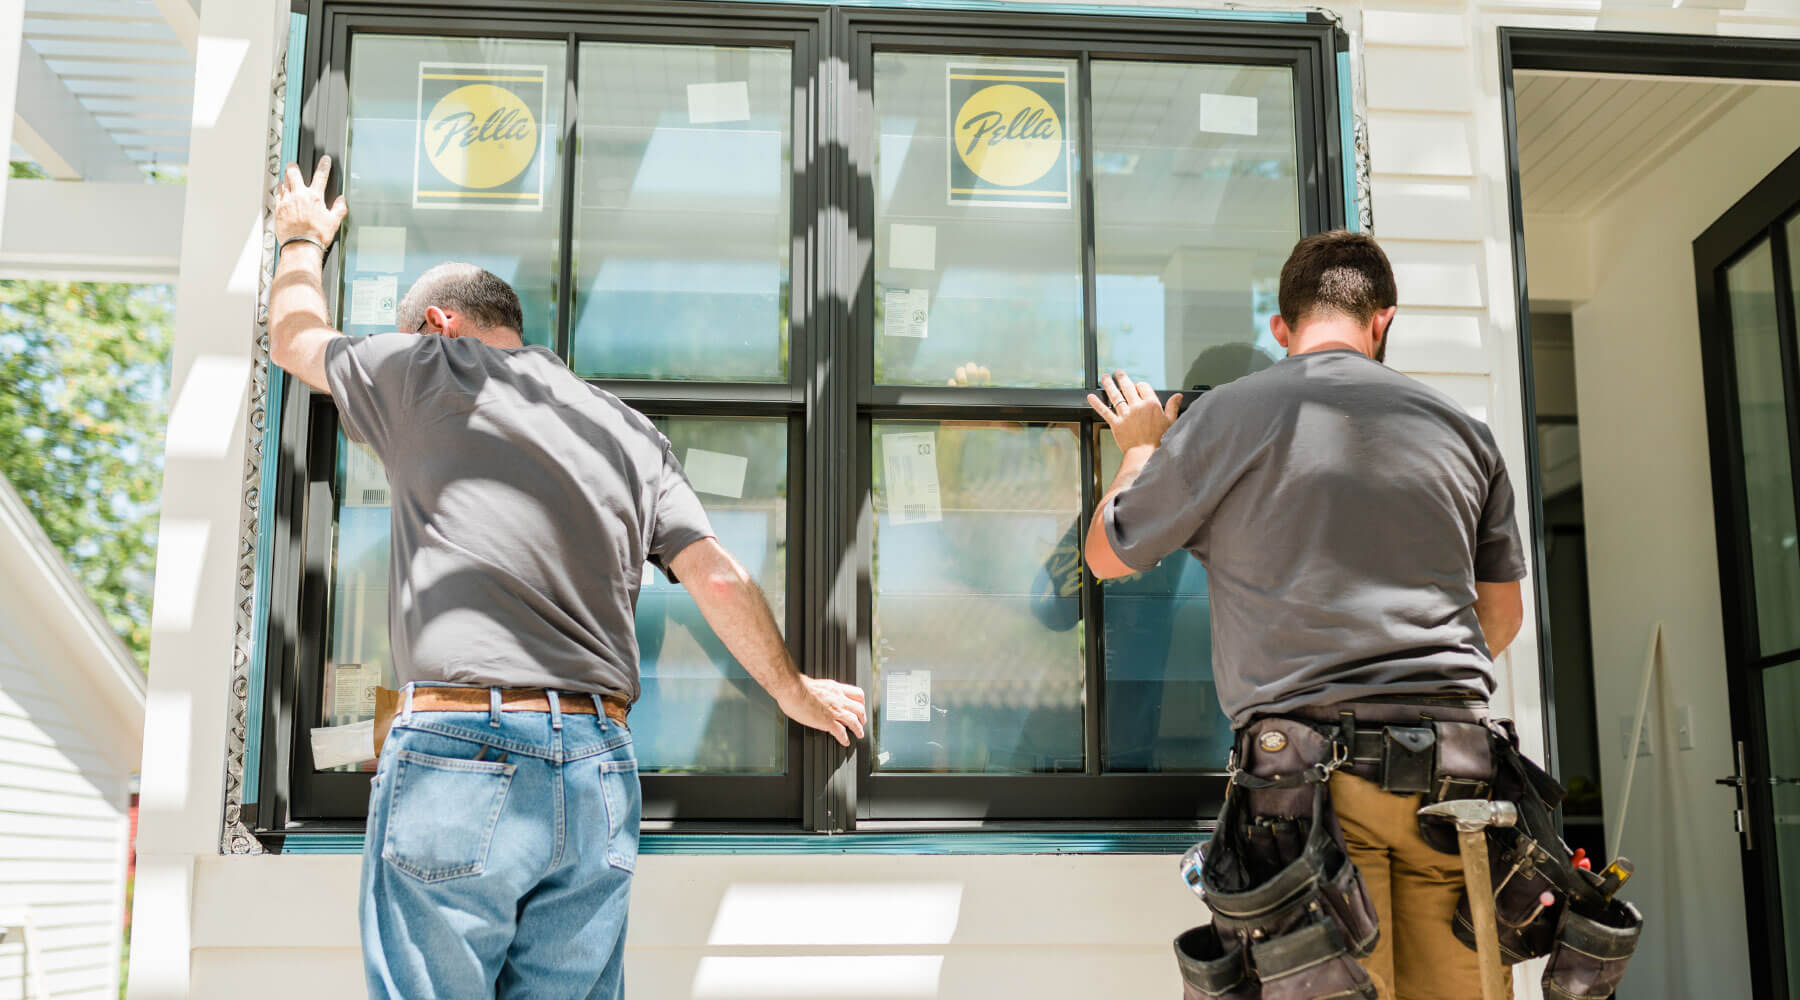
column 365, row 482
column 374, row 498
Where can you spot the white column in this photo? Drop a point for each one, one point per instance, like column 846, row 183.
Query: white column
column 196, row 572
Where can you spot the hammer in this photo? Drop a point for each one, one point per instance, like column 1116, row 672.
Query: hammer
column 1472, row 818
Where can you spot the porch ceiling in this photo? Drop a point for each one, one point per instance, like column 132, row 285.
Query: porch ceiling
column 1583, row 137
column 106, row 87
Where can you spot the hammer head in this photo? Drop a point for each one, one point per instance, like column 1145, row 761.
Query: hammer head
column 1474, row 814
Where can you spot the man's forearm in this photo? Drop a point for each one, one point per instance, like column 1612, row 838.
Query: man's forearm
column 739, row 614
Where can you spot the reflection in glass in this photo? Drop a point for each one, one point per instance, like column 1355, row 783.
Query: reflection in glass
column 1768, row 476
column 1196, row 206
column 454, row 154
column 1781, row 706
column 967, row 279
column 977, row 653
column 356, row 644
column 1162, row 709
column 682, row 220
column 700, row 711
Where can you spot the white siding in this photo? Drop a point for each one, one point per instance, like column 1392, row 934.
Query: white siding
column 63, row 829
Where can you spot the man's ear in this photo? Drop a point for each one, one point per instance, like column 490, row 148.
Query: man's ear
column 1382, row 320
column 1279, row 328
column 437, row 321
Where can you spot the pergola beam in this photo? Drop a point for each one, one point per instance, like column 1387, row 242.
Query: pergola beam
column 184, row 20
column 91, row 231
column 59, row 133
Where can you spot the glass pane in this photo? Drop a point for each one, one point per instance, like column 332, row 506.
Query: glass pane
column 699, row 710
column 356, row 644
column 978, row 657
column 1196, row 206
column 682, row 224
column 1162, row 710
column 977, row 221
column 1768, row 477
column 1781, row 706
column 454, row 153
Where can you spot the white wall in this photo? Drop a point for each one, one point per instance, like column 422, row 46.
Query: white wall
column 63, row 822
column 1651, row 545
column 832, row 927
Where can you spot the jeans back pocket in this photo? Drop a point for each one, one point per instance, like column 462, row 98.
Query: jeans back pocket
column 624, row 811
column 441, row 814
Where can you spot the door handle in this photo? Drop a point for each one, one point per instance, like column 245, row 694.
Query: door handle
column 1740, row 817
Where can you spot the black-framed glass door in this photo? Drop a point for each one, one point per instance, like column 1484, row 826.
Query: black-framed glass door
column 1747, row 276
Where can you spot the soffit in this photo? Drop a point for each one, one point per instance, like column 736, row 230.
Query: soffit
column 1584, row 137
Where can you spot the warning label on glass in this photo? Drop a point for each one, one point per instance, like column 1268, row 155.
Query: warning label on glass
column 909, row 462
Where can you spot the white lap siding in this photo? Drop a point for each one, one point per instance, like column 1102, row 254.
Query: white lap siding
column 63, row 830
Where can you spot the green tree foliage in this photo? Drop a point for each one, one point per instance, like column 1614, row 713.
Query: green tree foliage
column 84, row 376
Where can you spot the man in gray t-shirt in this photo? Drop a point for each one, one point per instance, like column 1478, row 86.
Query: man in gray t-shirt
column 503, row 814
column 1357, row 531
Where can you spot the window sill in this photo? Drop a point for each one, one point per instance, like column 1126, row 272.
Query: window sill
column 934, row 842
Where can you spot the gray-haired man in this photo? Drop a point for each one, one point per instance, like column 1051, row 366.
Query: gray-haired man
column 503, row 814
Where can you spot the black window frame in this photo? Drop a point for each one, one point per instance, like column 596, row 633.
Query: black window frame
column 827, row 789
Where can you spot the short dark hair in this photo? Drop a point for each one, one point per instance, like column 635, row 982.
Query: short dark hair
column 1339, row 272
column 464, row 288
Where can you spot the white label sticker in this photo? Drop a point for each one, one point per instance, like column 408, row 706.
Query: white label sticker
column 353, row 691
column 372, row 300
column 711, row 103
column 909, row 696
column 381, row 248
column 365, row 482
column 336, row 746
column 910, row 464
column 716, row 472
column 905, row 313
column 912, row 248
column 1228, row 113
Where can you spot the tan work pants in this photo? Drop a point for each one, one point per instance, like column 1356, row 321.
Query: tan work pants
column 1415, row 889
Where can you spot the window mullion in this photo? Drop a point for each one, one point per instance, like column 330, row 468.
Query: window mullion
column 565, row 268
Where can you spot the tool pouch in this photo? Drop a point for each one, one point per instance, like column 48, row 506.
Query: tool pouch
column 1279, row 879
column 1521, row 876
column 1590, row 955
column 1309, row 964
column 1464, row 770
column 1213, row 966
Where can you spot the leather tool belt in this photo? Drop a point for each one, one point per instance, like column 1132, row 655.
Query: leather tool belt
column 1290, row 910
column 478, row 699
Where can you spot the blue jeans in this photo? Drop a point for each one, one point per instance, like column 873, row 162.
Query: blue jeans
column 499, row 856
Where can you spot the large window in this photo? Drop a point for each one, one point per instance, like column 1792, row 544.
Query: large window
column 865, row 308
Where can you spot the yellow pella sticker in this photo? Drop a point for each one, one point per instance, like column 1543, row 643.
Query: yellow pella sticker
column 1009, row 142
column 481, row 138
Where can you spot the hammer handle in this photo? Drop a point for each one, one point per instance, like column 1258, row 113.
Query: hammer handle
column 1474, row 850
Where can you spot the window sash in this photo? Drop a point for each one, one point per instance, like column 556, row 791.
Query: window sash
column 830, row 390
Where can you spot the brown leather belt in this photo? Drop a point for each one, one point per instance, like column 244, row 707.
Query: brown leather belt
column 455, row 699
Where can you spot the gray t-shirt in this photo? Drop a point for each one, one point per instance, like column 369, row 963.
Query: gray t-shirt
column 525, row 505
column 1344, row 513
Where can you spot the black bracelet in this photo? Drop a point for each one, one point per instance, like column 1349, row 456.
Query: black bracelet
column 304, row 239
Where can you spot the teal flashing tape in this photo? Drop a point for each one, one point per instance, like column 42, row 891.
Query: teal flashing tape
column 850, row 843
column 1289, row 16
column 1347, row 138
column 271, row 461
